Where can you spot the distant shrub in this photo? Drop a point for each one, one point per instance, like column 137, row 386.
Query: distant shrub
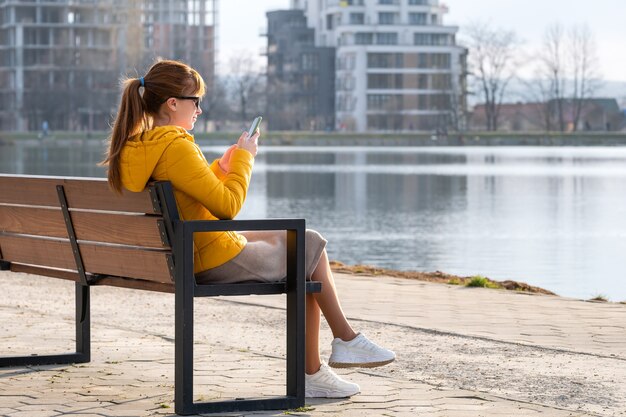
column 483, row 282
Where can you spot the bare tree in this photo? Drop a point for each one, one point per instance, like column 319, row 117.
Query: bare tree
column 246, row 82
column 493, row 61
column 215, row 105
column 584, row 69
column 553, row 62
column 458, row 104
column 537, row 92
column 569, row 66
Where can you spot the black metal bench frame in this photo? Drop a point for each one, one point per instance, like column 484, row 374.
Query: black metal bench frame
column 295, row 287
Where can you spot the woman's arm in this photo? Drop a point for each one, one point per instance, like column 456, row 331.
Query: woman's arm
column 189, row 172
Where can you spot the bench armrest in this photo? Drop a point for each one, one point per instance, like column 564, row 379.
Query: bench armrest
column 196, row 226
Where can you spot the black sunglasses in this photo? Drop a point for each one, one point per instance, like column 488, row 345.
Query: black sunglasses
column 196, row 100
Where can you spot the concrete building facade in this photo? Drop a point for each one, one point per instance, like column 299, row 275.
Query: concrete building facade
column 61, row 61
column 300, row 75
column 398, row 66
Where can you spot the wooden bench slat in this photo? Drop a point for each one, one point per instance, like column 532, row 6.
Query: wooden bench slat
column 46, row 272
column 150, row 265
column 136, row 230
column 34, row 221
column 123, row 229
column 82, row 193
column 138, row 284
column 57, row 254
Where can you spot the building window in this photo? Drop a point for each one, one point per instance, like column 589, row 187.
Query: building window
column 310, row 62
column 364, row 38
column 440, row 61
column 378, row 81
column 387, row 1
column 418, row 18
column 385, row 18
column 384, row 81
column 378, row 60
column 346, row 61
column 385, row 60
column 432, row 61
column 418, row 2
column 422, row 81
column 441, row 81
column 345, row 83
column 389, row 38
column 384, row 102
column 357, row 18
column 436, row 39
column 345, row 102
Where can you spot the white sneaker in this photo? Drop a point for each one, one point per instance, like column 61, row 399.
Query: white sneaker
column 327, row 384
column 359, row 352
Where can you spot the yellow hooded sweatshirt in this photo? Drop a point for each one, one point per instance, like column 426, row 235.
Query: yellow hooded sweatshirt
column 202, row 191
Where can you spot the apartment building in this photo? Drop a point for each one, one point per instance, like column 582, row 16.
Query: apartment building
column 180, row 29
column 300, row 75
column 61, row 61
column 398, row 66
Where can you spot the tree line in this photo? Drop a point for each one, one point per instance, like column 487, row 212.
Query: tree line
column 564, row 68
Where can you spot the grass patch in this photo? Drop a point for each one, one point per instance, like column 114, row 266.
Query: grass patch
column 482, row 282
column 601, row 298
column 304, row 409
column 454, row 281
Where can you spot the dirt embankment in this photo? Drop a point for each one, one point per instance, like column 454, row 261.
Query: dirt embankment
column 437, row 276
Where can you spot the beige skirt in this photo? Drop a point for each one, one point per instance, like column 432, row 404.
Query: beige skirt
column 264, row 259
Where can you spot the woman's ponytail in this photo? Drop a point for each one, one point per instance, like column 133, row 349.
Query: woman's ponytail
column 131, row 119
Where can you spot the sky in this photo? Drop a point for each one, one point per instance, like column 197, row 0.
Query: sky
column 241, row 22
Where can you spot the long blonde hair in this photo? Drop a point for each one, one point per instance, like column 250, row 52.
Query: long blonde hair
column 136, row 112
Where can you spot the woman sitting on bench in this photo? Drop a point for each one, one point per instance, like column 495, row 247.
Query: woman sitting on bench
column 150, row 141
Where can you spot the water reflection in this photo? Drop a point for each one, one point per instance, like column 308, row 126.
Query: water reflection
column 68, row 158
column 554, row 217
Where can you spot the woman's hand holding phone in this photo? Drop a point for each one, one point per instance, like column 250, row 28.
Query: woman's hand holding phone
column 250, row 140
column 249, row 144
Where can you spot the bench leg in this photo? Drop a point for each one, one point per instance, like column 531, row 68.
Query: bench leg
column 183, row 344
column 296, row 310
column 83, row 338
column 184, row 300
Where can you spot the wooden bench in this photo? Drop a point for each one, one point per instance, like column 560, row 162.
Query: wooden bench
column 77, row 229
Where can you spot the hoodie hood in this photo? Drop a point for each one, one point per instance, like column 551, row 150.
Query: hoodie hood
column 142, row 152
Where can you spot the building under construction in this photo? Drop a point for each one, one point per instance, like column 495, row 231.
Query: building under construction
column 61, row 61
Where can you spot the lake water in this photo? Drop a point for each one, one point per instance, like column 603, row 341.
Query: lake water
column 554, row 217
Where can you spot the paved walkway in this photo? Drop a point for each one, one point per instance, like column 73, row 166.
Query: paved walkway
column 461, row 351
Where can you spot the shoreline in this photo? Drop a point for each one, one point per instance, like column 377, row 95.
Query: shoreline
column 440, row 277
column 313, row 138
column 437, row 277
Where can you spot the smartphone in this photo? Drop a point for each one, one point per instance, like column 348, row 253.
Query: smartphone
column 254, row 126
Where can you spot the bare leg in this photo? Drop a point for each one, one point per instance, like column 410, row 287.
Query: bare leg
column 312, row 336
column 329, row 302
